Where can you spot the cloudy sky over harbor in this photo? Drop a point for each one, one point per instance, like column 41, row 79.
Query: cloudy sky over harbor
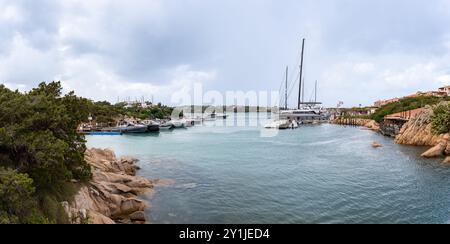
column 358, row 50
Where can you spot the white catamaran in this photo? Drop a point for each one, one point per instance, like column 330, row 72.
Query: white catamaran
column 306, row 113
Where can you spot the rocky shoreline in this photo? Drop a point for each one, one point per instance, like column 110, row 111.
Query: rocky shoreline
column 112, row 195
column 417, row 131
column 367, row 123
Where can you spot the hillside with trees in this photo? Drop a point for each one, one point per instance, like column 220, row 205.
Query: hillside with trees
column 406, row 104
column 42, row 155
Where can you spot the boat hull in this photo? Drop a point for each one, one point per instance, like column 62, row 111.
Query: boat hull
column 190, row 123
column 280, row 125
column 178, row 124
column 166, row 127
column 101, row 133
column 152, row 128
column 131, row 129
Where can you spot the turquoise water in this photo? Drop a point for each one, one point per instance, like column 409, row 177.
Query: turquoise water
column 316, row 174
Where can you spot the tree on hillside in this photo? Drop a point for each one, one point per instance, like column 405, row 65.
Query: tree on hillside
column 38, row 138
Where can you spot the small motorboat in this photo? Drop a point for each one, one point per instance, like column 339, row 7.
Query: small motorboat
column 294, row 125
column 210, row 117
column 152, row 126
column 166, row 126
column 130, row 128
column 279, row 124
column 190, row 122
column 198, row 121
column 221, row 116
column 179, row 124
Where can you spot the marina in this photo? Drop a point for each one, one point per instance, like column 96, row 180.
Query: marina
column 232, row 175
column 224, row 112
column 135, row 126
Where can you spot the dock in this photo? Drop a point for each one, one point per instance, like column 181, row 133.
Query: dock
column 393, row 123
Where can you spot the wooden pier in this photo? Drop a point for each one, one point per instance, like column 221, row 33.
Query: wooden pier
column 393, row 123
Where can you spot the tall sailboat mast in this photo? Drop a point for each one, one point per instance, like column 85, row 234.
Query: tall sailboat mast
column 286, row 90
column 315, row 93
column 301, row 76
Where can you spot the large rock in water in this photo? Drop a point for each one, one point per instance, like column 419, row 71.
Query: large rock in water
column 447, row 160
column 436, row 151
column 372, row 125
column 376, row 145
column 447, row 150
column 138, row 216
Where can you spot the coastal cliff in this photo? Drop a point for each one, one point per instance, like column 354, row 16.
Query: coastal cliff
column 417, row 131
column 112, row 195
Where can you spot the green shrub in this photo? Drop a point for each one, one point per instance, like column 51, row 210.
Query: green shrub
column 38, row 139
column 53, row 210
column 441, row 119
column 406, row 104
column 17, row 201
column 43, row 151
column 38, row 134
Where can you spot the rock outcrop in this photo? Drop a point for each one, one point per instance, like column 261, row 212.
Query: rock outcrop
column 436, row 151
column 417, row 131
column 447, row 160
column 111, row 196
column 376, row 145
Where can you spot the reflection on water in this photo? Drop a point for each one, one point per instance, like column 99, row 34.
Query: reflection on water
column 316, row 174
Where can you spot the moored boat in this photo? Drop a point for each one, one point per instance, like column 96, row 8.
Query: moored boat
column 152, row 126
column 279, row 124
column 221, row 116
column 178, row 123
column 166, row 126
column 130, row 128
column 309, row 113
column 190, row 122
column 103, row 133
column 306, row 112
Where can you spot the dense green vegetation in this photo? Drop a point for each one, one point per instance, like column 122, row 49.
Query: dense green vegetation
column 40, row 153
column 441, row 119
column 105, row 112
column 406, row 104
column 18, row 203
column 152, row 112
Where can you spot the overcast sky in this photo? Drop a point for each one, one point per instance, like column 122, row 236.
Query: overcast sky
column 358, row 50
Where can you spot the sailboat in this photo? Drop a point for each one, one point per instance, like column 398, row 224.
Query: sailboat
column 306, row 112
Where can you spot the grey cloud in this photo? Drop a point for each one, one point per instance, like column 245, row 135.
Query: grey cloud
column 247, row 42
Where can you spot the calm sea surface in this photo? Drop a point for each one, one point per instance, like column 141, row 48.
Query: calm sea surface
column 316, row 174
